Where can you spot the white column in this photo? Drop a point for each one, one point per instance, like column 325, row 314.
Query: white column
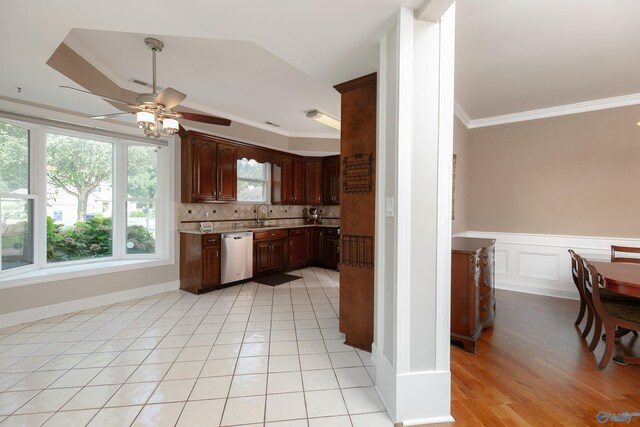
column 413, row 218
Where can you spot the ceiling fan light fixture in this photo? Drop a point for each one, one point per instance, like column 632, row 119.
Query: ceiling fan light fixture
column 324, row 118
column 170, row 126
column 145, row 117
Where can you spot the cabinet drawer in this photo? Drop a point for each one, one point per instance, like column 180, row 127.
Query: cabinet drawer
column 330, row 231
column 297, row 231
column 209, row 240
column 270, row 234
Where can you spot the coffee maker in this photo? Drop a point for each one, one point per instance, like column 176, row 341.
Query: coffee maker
column 314, row 218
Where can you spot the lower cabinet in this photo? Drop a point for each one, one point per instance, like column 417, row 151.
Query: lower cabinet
column 330, row 248
column 269, row 251
column 472, row 293
column 298, row 247
column 199, row 262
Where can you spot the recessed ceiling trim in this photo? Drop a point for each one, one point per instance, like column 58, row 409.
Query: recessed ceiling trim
column 560, row 110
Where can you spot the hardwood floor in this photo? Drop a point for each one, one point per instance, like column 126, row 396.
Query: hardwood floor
column 533, row 369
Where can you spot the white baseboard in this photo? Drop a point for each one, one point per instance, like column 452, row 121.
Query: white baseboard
column 409, row 397
column 423, row 398
column 540, row 263
column 33, row 314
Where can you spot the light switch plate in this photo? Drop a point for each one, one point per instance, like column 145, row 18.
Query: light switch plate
column 389, row 205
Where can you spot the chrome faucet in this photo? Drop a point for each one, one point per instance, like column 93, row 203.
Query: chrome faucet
column 258, row 220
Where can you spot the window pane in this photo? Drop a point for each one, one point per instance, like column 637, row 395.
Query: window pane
column 79, row 198
column 16, row 225
column 251, row 169
column 14, row 159
column 251, row 191
column 141, row 228
column 141, row 172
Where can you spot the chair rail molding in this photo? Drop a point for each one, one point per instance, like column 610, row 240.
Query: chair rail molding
column 540, row 263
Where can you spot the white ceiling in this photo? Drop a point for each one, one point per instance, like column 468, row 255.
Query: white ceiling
column 248, row 60
column 515, row 56
column 255, row 61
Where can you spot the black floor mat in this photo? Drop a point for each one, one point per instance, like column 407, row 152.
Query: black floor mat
column 277, row 279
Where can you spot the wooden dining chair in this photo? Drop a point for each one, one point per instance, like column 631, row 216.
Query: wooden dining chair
column 584, row 307
column 617, row 250
column 609, row 314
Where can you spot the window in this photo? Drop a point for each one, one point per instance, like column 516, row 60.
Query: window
column 16, row 200
column 78, row 172
column 253, row 181
column 68, row 197
column 142, row 192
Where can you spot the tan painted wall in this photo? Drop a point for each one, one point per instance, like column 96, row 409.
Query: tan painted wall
column 569, row 175
column 463, row 163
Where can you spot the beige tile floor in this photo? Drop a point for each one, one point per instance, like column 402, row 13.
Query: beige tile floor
column 250, row 355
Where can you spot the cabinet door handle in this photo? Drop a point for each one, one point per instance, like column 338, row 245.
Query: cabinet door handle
column 216, row 253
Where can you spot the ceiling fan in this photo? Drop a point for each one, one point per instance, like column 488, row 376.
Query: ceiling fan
column 155, row 112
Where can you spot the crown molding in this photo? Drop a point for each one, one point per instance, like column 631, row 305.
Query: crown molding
column 461, row 114
column 560, row 110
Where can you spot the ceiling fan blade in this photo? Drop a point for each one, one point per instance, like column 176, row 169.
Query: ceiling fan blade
column 203, row 118
column 170, row 97
column 104, row 116
column 96, row 94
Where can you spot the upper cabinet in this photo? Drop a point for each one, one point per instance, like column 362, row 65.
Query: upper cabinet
column 313, row 181
column 227, row 172
column 288, row 182
column 331, row 180
column 208, row 170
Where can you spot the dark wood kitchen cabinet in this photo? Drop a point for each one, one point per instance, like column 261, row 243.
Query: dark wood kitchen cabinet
column 313, row 182
column 331, row 180
column 472, row 289
column 227, row 167
column 329, row 247
column 298, row 247
column 269, row 251
column 199, row 262
column 208, row 170
column 292, row 181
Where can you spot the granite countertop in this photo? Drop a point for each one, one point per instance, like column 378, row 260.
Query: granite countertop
column 249, row 228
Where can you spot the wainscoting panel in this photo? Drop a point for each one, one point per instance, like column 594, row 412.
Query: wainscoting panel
column 540, row 264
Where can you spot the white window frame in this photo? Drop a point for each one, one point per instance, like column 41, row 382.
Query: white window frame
column 266, row 187
column 43, row 271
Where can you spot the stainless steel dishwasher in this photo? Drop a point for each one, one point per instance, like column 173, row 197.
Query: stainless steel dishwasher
column 237, row 256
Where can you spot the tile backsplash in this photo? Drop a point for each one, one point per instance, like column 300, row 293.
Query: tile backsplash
column 189, row 215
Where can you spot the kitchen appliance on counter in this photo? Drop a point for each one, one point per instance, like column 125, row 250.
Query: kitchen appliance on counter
column 314, row 218
column 237, row 256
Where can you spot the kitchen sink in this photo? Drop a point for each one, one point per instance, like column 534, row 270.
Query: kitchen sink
column 263, row 226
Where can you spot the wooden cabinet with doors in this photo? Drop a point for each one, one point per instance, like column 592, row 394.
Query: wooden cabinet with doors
column 208, row 170
column 329, row 247
column 313, row 181
column 292, row 182
column 298, row 247
column 331, row 180
column 199, row 262
column 472, row 294
column 227, row 167
column 269, row 251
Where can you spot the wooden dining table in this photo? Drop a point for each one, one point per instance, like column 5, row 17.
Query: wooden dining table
column 622, row 278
